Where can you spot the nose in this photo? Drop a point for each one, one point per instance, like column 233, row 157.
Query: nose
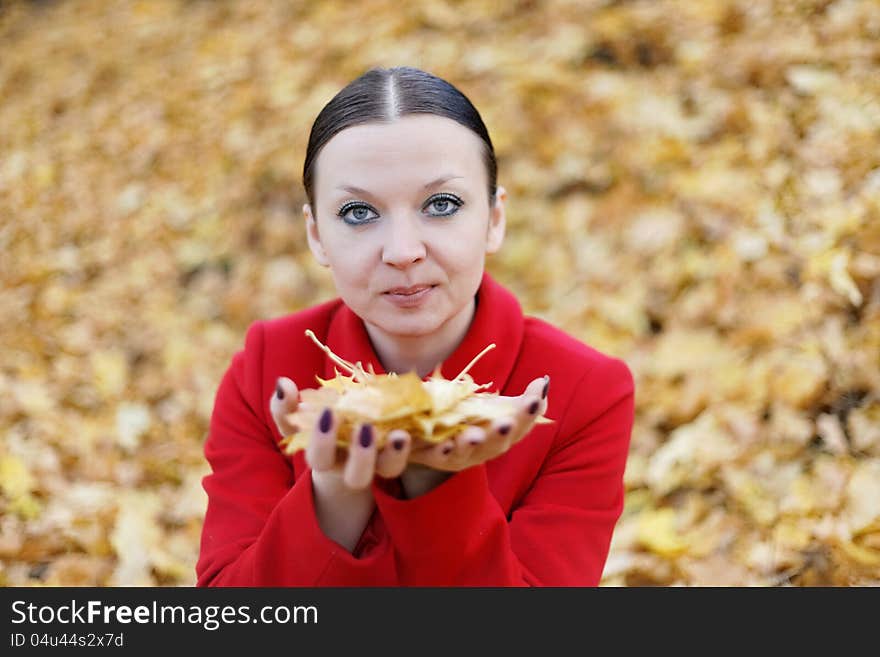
column 403, row 244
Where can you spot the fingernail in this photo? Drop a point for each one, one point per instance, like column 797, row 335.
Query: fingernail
column 533, row 408
column 504, row 429
column 446, row 449
column 279, row 392
column 546, row 388
column 398, row 443
column 366, row 437
column 326, row 419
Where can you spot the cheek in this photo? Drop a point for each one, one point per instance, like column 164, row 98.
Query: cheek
column 461, row 249
column 349, row 252
column 348, row 265
column 350, row 270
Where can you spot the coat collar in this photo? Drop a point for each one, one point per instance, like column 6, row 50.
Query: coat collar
column 498, row 319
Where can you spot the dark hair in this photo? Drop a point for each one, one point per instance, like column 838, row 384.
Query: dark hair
column 383, row 95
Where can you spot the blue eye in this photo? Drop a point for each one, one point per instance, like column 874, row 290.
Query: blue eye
column 442, row 202
column 357, row 213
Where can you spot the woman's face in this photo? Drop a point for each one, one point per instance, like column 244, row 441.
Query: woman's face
column 402, row 220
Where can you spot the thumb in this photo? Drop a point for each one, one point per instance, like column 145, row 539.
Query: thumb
column 284, row 400
column 536, row 388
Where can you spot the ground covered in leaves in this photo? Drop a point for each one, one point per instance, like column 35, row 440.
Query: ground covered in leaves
column 698, row 181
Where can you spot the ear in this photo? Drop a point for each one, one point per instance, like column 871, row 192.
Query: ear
column 313, row 237
column 497, row 221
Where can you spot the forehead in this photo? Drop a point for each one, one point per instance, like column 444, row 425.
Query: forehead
column 414, row 148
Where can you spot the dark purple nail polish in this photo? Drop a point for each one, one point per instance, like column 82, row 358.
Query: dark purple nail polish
column 533, row 408
column 366, row 437
column 446, row 449
column 279, row 392
column 398, row 443
column 326, row 419
column 546, row 388
column 504, row 429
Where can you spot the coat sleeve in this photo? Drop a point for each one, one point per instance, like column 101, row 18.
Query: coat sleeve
column 559, row 534
column 260, row 527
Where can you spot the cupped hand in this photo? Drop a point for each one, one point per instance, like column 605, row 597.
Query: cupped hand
column 476, row 444
column 336, row 468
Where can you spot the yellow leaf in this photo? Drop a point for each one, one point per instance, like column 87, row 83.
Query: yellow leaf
column 692, row 451
column 864, row 427
column 135, row 538
column 863, row 555
column 753, row 497
column 431, row 410
column 841, row 281
column 657, row 532
column 26, row 507
column 15, row 478
column 799, row 378
column 33, row 397
column 110, row 368
column 863, row 497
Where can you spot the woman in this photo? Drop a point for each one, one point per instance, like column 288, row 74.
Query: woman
column 403, row 206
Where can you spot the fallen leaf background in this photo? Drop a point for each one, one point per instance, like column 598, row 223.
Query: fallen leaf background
column 700, row 182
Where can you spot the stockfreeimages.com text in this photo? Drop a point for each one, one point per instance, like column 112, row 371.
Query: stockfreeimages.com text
column 210, row 617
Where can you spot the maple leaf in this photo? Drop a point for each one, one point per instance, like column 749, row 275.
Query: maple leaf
column 431, row 411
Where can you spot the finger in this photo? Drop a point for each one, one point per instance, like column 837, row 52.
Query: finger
column 392, row 459
column 504, row 432
column 528, row 404
column 460, row 450
column 500, row 434
column 361, row 463
column 284, row 400
column 321, row 450
column 421, row 453
column 469, row 438
column 539, row 388
column 435, row 455
column 441, row 455
column 529, row 411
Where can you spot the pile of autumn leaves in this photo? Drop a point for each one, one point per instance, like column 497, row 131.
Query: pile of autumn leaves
column 699, row 182
column 430, row 411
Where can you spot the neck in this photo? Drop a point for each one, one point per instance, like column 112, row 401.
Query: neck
column 405, row 353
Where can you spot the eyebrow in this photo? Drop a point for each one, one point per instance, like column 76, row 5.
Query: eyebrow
column 433, row 183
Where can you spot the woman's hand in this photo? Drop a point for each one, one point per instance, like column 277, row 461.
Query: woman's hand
column 353, row 468
column 341, row 478
column 476, row 445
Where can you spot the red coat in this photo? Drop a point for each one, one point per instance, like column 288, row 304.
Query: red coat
column 541, row 514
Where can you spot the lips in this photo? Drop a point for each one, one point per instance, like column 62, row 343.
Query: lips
column 412, row 297
column 406, row 291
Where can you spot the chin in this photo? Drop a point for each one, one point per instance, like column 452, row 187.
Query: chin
column 411, row 327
